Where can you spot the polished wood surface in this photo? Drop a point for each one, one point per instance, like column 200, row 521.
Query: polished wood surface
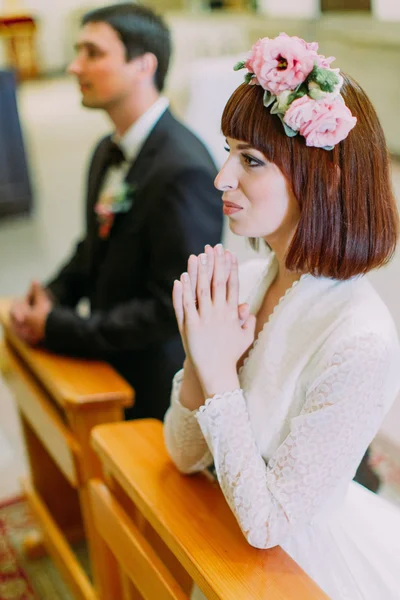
column 133, row 552
column 68, row 380
column 191, row 516
column 46, row 421
column 61, row 552
column 60, row 400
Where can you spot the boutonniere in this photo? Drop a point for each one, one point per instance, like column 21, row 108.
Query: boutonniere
column 112, row 202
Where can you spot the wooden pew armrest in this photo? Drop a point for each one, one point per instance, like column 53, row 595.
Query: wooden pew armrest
column 68, row 380
column 191, row 516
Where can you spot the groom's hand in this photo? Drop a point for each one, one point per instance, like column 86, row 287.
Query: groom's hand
column 29, row 316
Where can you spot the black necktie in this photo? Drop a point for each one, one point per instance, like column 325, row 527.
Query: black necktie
column 115, row 156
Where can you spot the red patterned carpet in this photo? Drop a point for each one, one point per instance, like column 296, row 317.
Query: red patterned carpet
column 21, row 579
column 14, row 583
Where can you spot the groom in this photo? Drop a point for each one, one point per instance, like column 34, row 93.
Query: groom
column 150, row 203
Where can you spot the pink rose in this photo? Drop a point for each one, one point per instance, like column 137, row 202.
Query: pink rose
column 324, row 62
column 313, row 46
column 281, row 63
column 323, row 123
column 331, row 123
column 299, row 113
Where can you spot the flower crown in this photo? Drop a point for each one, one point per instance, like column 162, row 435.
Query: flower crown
column 301, row 88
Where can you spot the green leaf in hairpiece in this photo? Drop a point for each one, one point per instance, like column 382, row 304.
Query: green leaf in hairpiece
column 299, row 92
column 239, row 65
column 248, row 77
column 327, row 79
column 268, row 98
column 288, row 130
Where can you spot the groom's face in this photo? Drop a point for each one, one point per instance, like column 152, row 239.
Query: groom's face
column 104, row 75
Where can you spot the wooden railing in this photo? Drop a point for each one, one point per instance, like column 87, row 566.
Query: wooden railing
column 162, row 531
column 60, row 400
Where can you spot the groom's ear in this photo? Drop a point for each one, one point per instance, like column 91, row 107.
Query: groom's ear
column 145, row 66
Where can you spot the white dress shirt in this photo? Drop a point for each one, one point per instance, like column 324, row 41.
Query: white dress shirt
column 131, row 144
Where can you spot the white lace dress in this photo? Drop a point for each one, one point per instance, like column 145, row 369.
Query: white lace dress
column 314, row 390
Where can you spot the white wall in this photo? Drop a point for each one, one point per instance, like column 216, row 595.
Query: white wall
column 300, row 9
column 55, row 22
column 386, row 10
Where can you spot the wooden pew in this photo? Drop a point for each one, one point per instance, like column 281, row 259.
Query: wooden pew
column 163, row 530
column 59, row 400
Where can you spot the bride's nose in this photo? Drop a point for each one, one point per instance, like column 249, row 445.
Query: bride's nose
column 226, row 178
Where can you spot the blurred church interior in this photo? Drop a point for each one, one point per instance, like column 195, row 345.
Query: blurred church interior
column 209, row 36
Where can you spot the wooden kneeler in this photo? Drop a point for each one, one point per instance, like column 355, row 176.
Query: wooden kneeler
column 163, row 530
column 59, row 401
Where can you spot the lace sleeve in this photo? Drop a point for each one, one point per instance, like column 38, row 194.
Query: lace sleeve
column 183, row 437
column 343, row 409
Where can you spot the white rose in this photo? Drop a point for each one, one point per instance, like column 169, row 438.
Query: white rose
column 281, row 104
column 315, row 92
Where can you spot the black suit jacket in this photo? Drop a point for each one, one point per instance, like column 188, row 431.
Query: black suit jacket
column 129, row 277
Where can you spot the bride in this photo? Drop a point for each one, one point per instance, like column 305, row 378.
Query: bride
column 287, row 381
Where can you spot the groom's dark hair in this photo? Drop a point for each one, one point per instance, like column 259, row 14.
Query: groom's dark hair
column 140, row 30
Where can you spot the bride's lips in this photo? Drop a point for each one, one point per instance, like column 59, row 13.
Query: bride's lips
column 230, row 208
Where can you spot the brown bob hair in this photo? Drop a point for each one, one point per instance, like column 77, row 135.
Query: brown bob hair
column 349, row 221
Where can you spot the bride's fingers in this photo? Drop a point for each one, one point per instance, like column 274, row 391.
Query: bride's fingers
column 210, row 261
column 189, row 308
column 228, row 264
column 203, row 285
column 177, row 301
column 243, row 313
column 233, row 283
column 193, row 272
column 218, row 280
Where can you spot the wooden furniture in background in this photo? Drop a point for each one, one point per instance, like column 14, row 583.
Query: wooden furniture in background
column 19, row 35
column 345, row 5
column 162, row 530
column 59, row 400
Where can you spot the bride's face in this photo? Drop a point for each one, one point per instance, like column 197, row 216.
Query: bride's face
column 257, row 197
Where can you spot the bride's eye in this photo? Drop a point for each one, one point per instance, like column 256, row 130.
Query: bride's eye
column 227, row 149
column 250, row 161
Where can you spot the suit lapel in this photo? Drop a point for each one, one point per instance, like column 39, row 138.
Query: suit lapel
column 137, row 176
column 98, row 172
column 141, row 170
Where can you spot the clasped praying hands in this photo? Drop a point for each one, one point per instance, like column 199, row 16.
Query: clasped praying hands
column 216, row 331
column 28, row 316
